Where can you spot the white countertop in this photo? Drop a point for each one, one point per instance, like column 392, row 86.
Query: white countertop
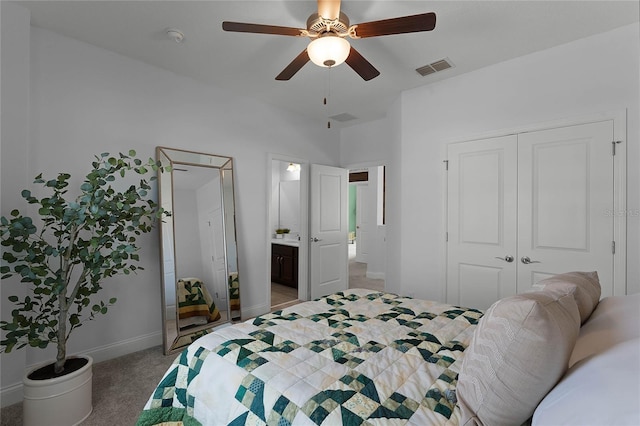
column 285, row 242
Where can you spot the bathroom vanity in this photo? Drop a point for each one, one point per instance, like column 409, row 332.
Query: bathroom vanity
column 284, row 262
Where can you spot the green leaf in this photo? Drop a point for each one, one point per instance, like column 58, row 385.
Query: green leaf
column 96, row 233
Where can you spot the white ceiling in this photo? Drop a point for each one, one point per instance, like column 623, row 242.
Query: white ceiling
column 471, row 34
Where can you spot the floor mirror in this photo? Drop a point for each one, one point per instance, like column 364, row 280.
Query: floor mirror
column 199, row 257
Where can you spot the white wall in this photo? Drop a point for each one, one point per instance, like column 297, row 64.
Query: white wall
column 585, row 77
column 84, row 100
column 14, row 96
column 376, row 258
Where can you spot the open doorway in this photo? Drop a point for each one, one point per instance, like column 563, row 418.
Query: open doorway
column 367, row 238
column 286, row 230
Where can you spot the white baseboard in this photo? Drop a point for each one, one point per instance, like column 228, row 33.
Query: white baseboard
column 124, row 347
column 12, row 394
column 375, row 275
column 254, row 311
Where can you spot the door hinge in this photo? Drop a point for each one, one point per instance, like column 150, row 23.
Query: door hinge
column 446, row 164
column 613, row 145
column 613, row 247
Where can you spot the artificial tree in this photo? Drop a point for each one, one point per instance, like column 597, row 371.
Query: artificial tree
column 73, row 246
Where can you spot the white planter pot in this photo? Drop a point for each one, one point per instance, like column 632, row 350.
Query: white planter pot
column 61, row 401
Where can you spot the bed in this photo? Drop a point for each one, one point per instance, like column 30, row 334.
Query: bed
column 361, row 357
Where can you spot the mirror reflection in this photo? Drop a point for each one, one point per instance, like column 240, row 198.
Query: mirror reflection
column 200, row 283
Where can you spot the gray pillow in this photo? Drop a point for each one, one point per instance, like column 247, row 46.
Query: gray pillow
column 519, row 350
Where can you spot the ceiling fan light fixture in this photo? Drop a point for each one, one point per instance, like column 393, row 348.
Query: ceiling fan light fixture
column 328, row 50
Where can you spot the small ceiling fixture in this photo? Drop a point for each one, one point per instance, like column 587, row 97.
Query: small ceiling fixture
column 175, row 35
column 293, row 167
column 328, row 50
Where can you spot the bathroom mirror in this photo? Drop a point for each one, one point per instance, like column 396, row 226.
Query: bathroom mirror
column 200, row 283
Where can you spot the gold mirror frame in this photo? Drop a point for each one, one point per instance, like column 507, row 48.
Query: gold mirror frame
column 198, row 250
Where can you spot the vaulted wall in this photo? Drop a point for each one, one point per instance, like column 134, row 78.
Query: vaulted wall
column 65, row 101
column 583, row 78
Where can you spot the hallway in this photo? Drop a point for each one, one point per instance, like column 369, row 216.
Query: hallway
column 358, row 277
column 358, row 273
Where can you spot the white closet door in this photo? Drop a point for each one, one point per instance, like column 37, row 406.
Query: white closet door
column 482, row 202
column 565, row 188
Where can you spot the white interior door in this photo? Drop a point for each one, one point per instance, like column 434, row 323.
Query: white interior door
column 482, row 202
column 329, row 227
column 565, row 186
column 363, row 213
column 218, row 258
column 541, row 198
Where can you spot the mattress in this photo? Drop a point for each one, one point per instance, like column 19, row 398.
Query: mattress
column 354, row 357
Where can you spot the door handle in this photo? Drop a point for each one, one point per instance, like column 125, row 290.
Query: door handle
column 526, row 260
column 507, row 258
column 315, row 239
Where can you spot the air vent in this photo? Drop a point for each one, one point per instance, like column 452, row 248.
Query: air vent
column 436, row 66
column 343, row 117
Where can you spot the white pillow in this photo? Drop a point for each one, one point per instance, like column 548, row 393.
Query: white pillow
column 615, row 319
column 603, row 389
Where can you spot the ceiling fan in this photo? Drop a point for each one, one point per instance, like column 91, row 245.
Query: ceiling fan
column 328, row 30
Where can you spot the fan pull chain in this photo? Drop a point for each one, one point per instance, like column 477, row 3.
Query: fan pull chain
column 327, row 93
column 328, row 122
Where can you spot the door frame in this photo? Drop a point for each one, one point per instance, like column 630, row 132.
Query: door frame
column 359, row 188
column 366, row 165
column 303, row 247
column 619, row 118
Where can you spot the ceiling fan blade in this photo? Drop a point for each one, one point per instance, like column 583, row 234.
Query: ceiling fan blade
column 360, row 65
column 329, row 9
column 402, row 25
column 294, row 66
column 241, row 27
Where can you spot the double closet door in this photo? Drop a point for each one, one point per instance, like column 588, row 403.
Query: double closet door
column 524, row 207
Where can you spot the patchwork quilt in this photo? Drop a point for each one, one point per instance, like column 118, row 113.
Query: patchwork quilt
column 356, row 357
column 194, row 300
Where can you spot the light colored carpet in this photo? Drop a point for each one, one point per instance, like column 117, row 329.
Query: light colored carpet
column 121, row 387
column 358, row 277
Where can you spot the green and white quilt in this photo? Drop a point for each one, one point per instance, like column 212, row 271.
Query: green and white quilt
column 356, row 357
